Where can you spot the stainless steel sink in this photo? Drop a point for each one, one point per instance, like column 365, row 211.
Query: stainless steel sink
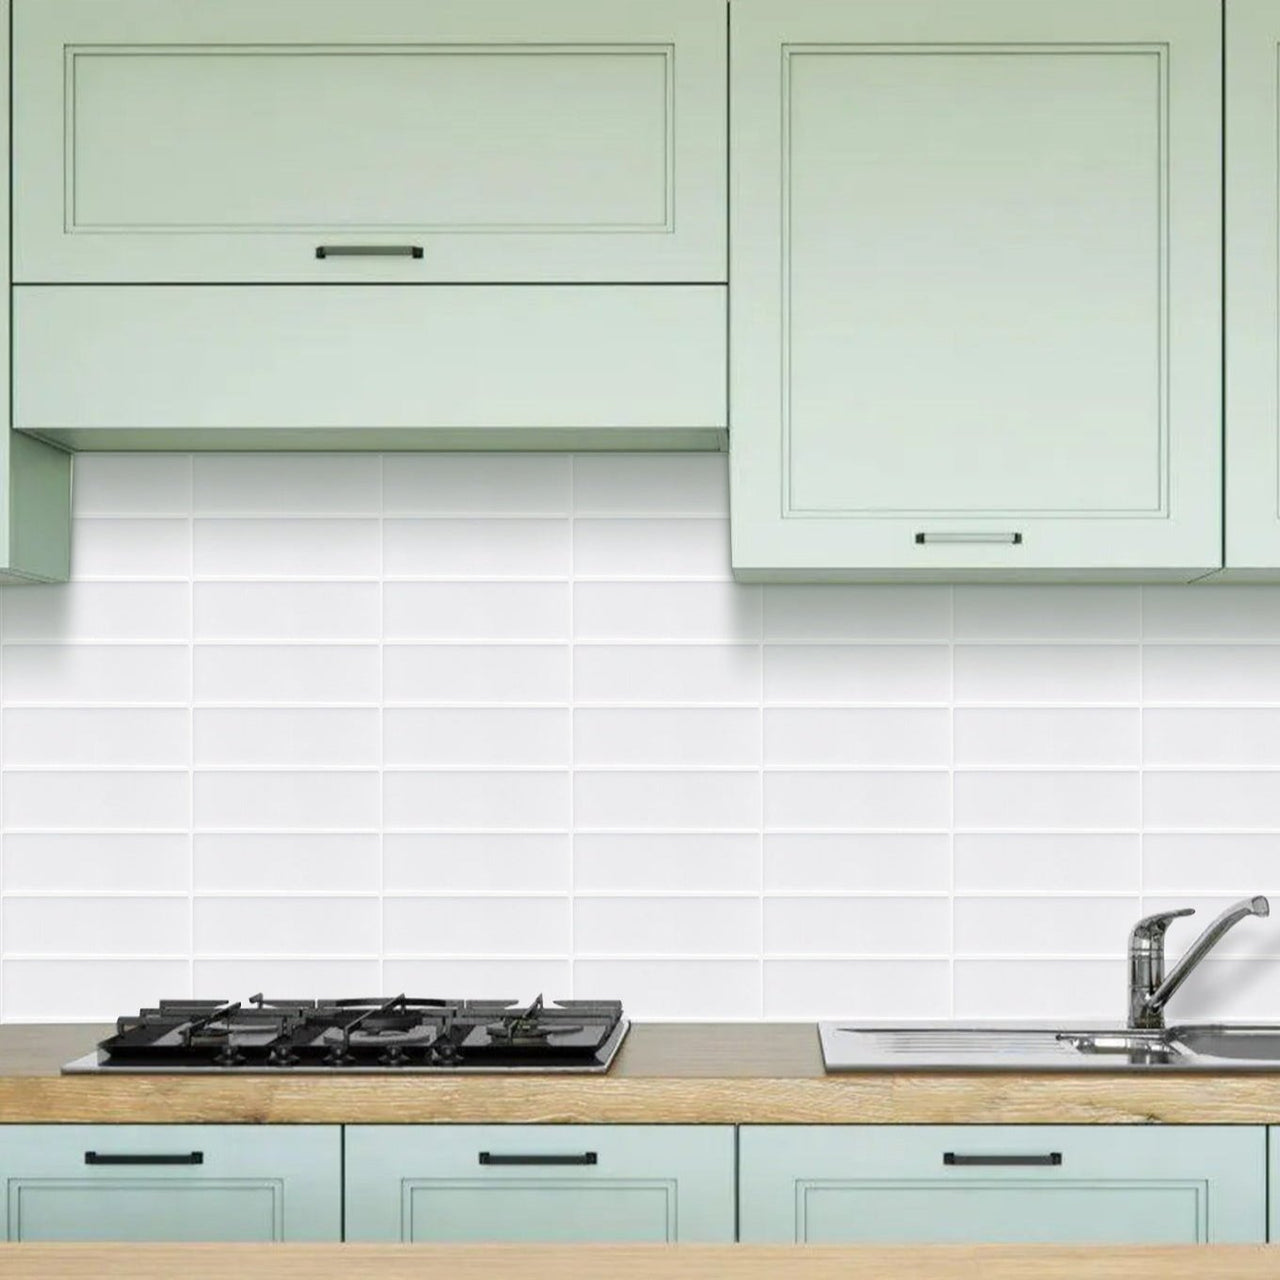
column 1036, row 1047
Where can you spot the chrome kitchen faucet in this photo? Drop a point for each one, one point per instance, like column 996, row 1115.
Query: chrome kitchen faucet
column 1149, row 988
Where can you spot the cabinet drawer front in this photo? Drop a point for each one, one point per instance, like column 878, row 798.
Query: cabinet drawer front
column 553, row 1183
column 171, row 1182
column 365, row 366
column 1003, row 1183
column 554, row 140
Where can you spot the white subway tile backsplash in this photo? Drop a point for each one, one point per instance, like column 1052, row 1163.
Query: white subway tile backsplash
column 491, row 724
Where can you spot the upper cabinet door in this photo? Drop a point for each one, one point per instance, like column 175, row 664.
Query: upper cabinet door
column 1253, row 282
column 497, row 140
column 976, row 288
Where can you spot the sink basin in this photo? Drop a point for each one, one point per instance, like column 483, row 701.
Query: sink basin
column 1033, row 1047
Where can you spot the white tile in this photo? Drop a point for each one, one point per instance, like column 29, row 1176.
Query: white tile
column 657, row 863
column 322, row 927
column 703, row 801
column 487, row 484
column 1072, row 737
column 486, row 927
column 286, row 611
column 476, row 611
column 64, row 736
column 857, row 926
column 1241, row 736
column 857, row 736
column 1048, row 863
column 102, row 800
column 639, row 611
column 1075, row 801
column 1230, row 990
column 290, row 801
column 822, row 674
column 651, row 484
column 471, row 862
column 95, row 926
column 857, row 613
column 514, row 979
column 278, row 736
column 1254, row 938
column 1192, row 864
column 92, row 861
column 1082, row 990
column 673, row 989
column 291, row 547
column 843, row 863
column 88, row 990
column 666, row 737
column 1025, row 612
column 666, row 926
column 122, row 548
column 87, row 674
column 667, row 673
column 1220, row 612
column 132, row 484
column 1205, row 801
column 494, row 737
column 493, row 799
column 635, row 548
column 1046, row 673
column 286, row 673
column 97, row 611
column 285, row 979
column 475, row 547
column 1211, row 673
column 469, row 673
column 814, row 801
column 293, row 862
column 1043, row 926
column 809, row 989
column 287, row 484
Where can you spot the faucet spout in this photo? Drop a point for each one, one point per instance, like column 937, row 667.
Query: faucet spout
column 1149, row 987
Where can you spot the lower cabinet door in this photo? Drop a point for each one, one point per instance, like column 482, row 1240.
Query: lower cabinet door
column 1020, row 1184
column 543, row 1183
column 171, row 1182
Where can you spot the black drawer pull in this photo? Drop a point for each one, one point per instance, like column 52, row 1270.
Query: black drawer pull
column 1001, row 1162
column 586, row 1157
column 192, row 1157
column 369, row 251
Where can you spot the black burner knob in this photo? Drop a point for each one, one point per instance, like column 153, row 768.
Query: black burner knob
column 393, row 1056
column 446, row 1054
column 281, row 1056
column 337, row 1057
column 228, row 1056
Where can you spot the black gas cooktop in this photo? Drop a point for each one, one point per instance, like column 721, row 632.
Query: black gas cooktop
column 401, row 1034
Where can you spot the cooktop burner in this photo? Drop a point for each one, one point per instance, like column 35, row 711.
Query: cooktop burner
column 403, row 1034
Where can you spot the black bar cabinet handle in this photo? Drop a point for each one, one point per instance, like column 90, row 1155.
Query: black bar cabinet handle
column 369, row 251
column 191, row 1157
column 1001, row 1162
column 586, row 1157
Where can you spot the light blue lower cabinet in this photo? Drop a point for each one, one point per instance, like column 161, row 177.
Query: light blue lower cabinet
column 540, row 1183
column 1022, row 1184
column 253, row 1183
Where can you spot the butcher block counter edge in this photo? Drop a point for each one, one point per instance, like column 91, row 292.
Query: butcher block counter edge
column 637, row 1262
column 666, row 1073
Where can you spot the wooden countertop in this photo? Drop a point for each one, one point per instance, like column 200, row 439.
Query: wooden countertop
column 635, row 1262
column 666, row 1073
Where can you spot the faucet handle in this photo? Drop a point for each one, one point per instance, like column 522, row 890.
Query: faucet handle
column 1152, row 928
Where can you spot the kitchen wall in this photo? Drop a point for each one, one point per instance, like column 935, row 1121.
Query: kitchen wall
column 491, row 725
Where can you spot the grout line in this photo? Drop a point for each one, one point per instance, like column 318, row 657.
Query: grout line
column 191, row 731
column 382, row 716
column 763, row 822
column 573, row 744
column 951, row 819
column 1142, row 752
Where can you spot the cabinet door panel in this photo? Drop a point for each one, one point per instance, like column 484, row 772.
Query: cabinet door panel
column 145, row 1182
column 1177, row 1185
column 552, row 1183
column 555, row 140
column 975, row 272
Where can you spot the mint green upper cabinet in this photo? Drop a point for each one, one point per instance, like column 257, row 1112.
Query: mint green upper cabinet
column 254, row 1183
column 975, row 312
column 511, row 140
column 1009, row 1183
column 1253, row 278
column 540, row 1183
